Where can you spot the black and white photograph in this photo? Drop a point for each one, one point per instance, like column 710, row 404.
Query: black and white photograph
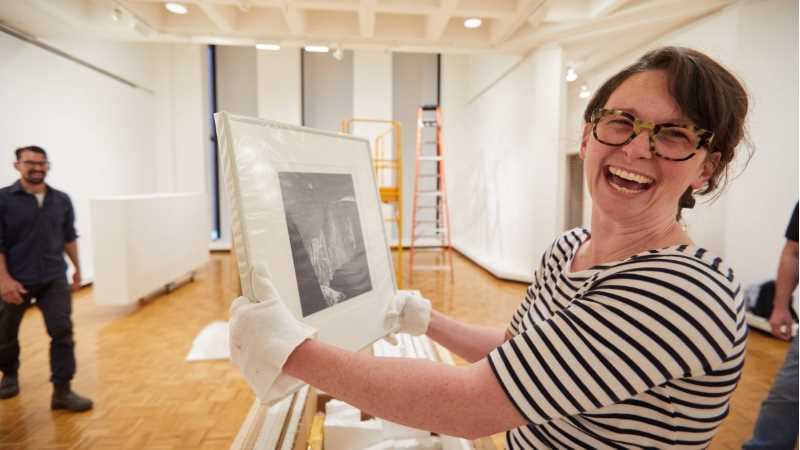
column 325, row 235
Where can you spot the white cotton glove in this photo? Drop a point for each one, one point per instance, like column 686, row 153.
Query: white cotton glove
column 263, row 333
column 408, row 312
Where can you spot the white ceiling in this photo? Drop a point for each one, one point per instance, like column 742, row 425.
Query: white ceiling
column 592, row 31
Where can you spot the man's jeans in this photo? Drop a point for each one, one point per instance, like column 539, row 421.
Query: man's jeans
column 776, row 427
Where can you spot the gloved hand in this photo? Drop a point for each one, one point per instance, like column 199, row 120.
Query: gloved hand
column 263, row 333
column 409, row 312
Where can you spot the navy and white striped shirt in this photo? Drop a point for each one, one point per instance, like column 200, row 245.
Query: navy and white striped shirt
column 640, row 353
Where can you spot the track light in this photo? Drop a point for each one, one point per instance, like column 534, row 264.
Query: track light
column 571, row 74
column 585, row 92
column 338, row 54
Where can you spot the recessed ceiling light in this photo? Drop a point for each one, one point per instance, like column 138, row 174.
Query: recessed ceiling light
column 316, row 48
column 473, row 22
column 272, row 47
column 585, row 92
column 176, row 8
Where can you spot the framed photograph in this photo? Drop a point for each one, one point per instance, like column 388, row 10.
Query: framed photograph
column 305, row 204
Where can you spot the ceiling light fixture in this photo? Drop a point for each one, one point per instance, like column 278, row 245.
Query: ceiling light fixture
column 338, row 53
column 473, row 22
column 271, row 47
column 585, row 92
column 176, row 8
column 316, row 48
column 571, row 74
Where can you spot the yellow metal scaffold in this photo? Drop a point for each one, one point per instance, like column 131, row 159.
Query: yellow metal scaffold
column 387, row 162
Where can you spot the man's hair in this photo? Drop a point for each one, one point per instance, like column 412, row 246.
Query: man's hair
column 30, row 148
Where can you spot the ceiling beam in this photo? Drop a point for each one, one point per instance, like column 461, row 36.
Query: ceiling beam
column 295, row 18
column 605, row 7
column 506, row 28
column 436, row 22
column 366, row 18
column 71, row 12
column 224, row 18
column 622, row 20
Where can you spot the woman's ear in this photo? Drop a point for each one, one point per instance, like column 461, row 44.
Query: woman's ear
column 709, row 166
column 584, row 139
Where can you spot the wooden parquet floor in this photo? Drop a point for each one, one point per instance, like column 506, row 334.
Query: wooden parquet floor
column 131, row 363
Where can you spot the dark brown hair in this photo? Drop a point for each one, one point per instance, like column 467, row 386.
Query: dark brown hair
column 30, row 148
column 706, row 92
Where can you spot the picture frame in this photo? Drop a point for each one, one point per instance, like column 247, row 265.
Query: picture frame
column 305, row 204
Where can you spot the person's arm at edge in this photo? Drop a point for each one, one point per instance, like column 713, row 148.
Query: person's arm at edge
column 71, row 249
column 785, row 283
column 10, row 289
column 459, row 401
column 471, row 342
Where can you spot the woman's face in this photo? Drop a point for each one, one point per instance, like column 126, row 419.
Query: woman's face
column 629, row 182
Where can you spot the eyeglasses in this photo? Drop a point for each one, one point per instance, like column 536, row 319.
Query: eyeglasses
column 36, row 164
column 674, row 142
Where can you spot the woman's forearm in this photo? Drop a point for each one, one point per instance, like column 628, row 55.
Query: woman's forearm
column 458, row 401
column 471, row 342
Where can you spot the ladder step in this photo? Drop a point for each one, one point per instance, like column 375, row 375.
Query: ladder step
column 429, row 142
column 418, row 268
column 427, row 207
column 430, row 158
column 429, row 175
column 429, row 193
column 429, row 123
column 431, row 233
column 427, row 221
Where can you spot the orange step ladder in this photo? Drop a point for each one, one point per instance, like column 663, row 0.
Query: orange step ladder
column 430, row 217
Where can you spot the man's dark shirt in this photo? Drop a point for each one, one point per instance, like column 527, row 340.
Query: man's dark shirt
column 33, row 238
column 791, row 230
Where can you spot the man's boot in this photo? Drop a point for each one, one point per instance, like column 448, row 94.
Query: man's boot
column 65, row 398
column 9, row 387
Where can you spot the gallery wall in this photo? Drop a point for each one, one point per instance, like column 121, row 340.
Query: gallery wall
column 415, row 84
column 502, row 118
column 757, row 40
column 102, row 136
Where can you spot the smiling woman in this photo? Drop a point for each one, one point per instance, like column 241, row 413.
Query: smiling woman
column 631, row 336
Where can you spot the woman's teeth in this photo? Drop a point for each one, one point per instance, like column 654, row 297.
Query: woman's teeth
column 628, row 182
column 630, row 175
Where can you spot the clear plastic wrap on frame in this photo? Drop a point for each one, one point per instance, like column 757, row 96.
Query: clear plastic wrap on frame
column 304, row 202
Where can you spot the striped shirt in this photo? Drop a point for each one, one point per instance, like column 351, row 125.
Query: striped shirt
column 640, row 353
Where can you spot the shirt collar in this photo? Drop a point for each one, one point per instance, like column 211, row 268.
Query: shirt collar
column 17, row 187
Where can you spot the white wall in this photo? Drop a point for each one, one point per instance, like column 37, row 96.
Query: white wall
column 327, row 90
column 757, row 40
column 414, row 85
column 96, row 146
column 103, row 137
column 503, row 160
column 279, row 96
column 181, row 109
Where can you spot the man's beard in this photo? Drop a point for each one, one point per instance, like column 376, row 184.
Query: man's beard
column 39, row 179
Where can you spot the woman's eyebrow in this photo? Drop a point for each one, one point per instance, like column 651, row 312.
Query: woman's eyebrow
column 674, row 120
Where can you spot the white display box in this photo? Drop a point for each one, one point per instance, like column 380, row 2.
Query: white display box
column 142, row 243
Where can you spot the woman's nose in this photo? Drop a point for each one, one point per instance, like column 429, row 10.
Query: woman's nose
column 639, row 147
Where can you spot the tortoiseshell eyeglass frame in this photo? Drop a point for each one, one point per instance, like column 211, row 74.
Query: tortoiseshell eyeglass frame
column 704, row 136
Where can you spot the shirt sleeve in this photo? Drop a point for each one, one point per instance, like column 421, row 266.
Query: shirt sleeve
column 633, row 330
column 791, row 230
column 69, row 222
